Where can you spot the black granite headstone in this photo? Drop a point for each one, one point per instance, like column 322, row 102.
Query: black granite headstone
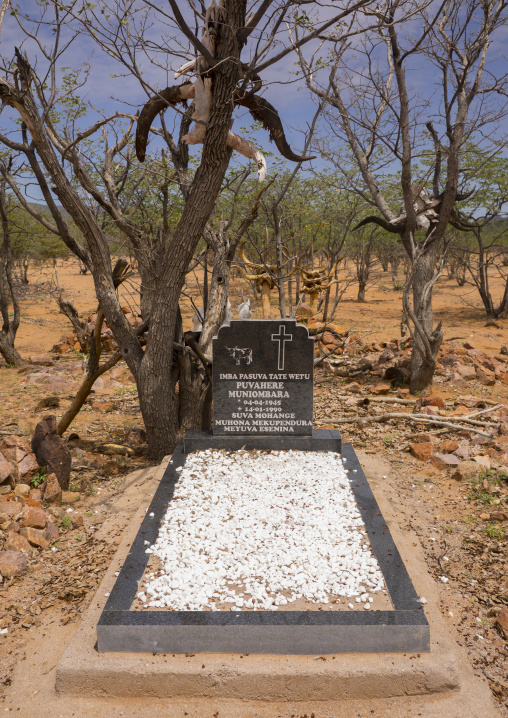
column 263, row 378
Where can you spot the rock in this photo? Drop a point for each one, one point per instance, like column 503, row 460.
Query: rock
column 9, row 511
column 499, row 516
column 51, row 451
column 438, row 462
column 337, row 328
column 329, row 339
column 469, row 468
column 103, row 406
column 42, row 360
column 434, row 401
column 5, row 469
column 485, row 517
column 304, row 310
column 501, row 443
column 14, row 449
column 486, row 376
column 354, row 387
column 457, row 379
column 463, row 451
column 482, row 461
column 52, row 533
column 380, row 390
column 115, row 449
column 504, row 351
column 466, row 372
column 36, row 495
column 12, row 563
column 11, row 526
column 448, row 446
column 469, row 400
column 423, row 438
column 443, row 461
column 423, row 451
column 34, row 517
column 15, row 542
column 467, row 345
column 22, row 490
column 27, row 465
column 51, row 490
column 70, row 497
column 430, row 411
column 460, row 411
column 77, row 521
column 36, row 537
column 502, row 623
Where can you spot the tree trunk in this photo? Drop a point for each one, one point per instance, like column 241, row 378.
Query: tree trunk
column 9, row 353
column 159, row 403
column 362, row 286
column 8, row 292
column 424, row 354
column 280, row 262
column 326, row 305
column 265, row 289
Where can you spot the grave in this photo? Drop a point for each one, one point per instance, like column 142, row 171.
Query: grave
column 263, row 395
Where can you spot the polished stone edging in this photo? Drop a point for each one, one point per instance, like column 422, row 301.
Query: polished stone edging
column 405, row 628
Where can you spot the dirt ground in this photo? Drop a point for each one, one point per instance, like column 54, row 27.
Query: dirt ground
column 41, row 610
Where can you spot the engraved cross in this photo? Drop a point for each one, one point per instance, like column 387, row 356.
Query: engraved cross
column 282, row 338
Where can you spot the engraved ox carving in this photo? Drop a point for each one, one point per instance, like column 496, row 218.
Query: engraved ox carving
column 240, row 355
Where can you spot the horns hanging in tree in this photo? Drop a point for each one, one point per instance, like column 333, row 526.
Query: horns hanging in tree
column 260, row 109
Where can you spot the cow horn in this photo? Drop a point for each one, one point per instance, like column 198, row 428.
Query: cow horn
column 262, row 111
column 156, row 104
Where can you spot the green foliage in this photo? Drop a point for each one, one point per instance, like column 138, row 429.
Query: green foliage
column 39, row 478
column 494, row 531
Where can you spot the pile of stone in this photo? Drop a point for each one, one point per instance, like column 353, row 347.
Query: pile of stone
column 466, row 457
column 18, row 463
column 457, row 364
column 60, row 376
column 330, row 338
column 43, row 370
column 69, row 342
column 24, row 527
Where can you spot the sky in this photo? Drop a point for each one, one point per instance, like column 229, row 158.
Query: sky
column 109, row 92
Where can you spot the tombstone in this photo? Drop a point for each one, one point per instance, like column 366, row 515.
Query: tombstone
column 263, row 378
column 244, row 310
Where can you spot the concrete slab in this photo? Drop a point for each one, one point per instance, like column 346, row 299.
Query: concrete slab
column 322, row 678
column 401, row 629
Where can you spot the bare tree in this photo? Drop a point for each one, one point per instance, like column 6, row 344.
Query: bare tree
column 383, row 122
column 57, row 157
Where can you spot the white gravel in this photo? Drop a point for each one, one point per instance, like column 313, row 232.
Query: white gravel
column 261, row 530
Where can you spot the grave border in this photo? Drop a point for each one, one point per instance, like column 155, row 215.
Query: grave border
column 403, row 629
